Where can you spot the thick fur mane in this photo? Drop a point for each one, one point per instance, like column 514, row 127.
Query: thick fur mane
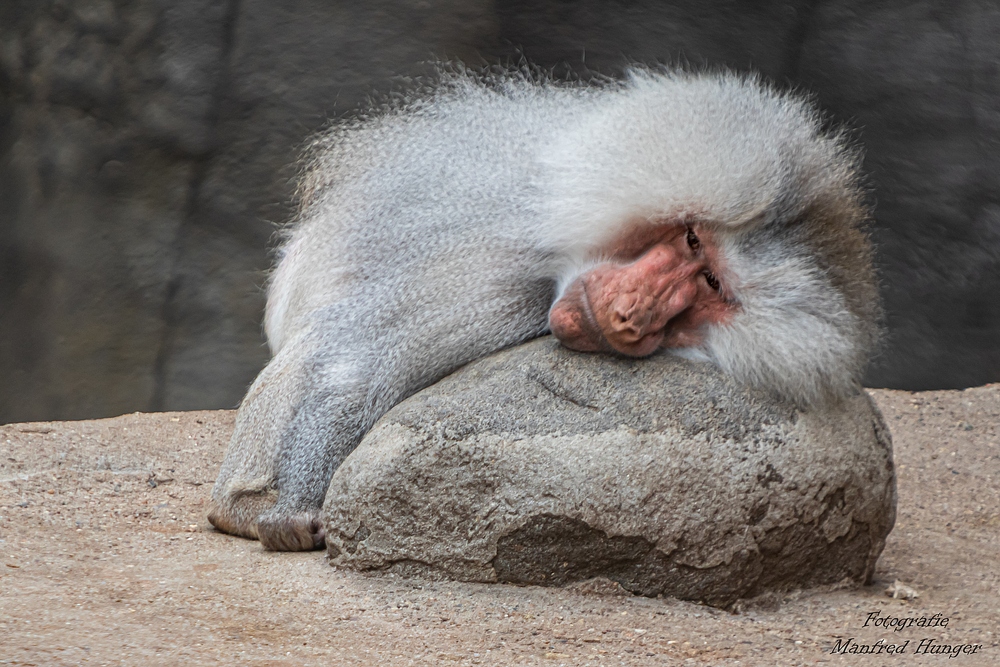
column 661, row 146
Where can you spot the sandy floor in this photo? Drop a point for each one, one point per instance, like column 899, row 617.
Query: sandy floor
column 106, row 558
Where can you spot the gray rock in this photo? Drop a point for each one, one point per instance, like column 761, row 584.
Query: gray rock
column 543, row 466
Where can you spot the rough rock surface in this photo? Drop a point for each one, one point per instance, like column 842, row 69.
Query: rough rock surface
column 543, row 466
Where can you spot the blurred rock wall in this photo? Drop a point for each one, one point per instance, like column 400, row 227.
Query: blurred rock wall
column 147, row 151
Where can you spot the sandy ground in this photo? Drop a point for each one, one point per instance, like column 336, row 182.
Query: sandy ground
column 106, row 558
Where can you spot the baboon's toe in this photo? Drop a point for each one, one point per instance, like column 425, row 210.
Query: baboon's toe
column 302, row 531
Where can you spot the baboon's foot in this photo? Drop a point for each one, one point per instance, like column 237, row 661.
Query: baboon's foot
column 299, row 531
column 237, row 513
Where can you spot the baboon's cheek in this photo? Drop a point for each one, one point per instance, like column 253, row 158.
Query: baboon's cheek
column 690, row 328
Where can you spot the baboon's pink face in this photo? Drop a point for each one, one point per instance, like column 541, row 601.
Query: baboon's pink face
column 661, row 287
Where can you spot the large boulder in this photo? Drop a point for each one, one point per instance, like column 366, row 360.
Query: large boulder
column 539, row 465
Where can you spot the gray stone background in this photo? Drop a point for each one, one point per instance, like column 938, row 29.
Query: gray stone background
column 146, row 152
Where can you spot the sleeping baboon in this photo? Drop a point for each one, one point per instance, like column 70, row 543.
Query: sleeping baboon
column 703, row 213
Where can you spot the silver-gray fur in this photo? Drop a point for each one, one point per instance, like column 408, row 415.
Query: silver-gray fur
column 440, row 230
